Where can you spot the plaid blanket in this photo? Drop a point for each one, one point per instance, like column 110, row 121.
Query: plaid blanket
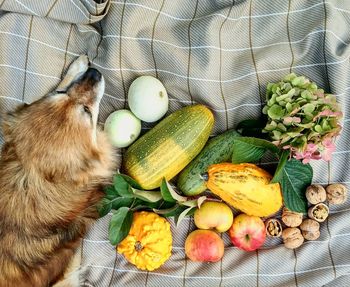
column 219, row 53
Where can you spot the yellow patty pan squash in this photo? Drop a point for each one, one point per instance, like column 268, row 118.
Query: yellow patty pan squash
column 149, row 242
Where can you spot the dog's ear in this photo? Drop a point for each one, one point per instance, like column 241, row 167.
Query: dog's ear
column 8, row 120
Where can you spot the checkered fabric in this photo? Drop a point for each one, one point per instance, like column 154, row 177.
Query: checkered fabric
column 221, row 53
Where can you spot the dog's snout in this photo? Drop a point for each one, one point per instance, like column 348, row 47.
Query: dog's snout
column 93, row 75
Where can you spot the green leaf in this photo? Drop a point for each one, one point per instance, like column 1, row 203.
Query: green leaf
column 187, row 212
column 146, row 195
column 174, row 194
column 130, row 181
column 172, row 211
column 164, row 190
column 139, row 204
column 120, row 224
column 122, row 186
column 176, row 212
column 281, row 164
column 104, row 207
column 190, row 203
column 110, row 192
column 252, row 128
column 122, row 202
column 248, row 149
column 294, row 178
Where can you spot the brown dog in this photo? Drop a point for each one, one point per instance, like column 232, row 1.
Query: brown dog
column 54, row 163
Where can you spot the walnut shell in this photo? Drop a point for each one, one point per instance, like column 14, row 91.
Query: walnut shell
column 311, row 235
column 292, row 238
column 319, row 212
column 291, row 218
column 273, row 227
column 309, row 225
column 310, row 229
column 315, row 193
column 336, row 193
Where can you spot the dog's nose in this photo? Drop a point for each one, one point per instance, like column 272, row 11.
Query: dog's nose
column 92, row 74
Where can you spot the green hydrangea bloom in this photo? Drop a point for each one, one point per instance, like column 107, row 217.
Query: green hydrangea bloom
column 301, row 117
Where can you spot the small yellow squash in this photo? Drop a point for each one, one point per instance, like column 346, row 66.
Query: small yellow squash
column 246, row 187
column 149, row 242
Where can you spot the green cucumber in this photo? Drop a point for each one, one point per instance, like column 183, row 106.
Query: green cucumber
column 218, row 149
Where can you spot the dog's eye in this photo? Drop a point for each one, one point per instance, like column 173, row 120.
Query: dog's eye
column 87, row 110
column 61, row 92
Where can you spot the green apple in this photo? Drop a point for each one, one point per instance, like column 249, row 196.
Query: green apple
column 213, row 215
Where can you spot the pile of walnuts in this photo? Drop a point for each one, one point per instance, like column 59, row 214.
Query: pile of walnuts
column 300, row 229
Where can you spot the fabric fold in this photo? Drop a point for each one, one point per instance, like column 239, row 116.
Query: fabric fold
column 71, row 11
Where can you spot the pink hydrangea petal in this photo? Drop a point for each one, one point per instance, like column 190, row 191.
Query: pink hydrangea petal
column 328, row 113
column 327, row 156
column 311, row 147
column 289, row 120
column 298, row 155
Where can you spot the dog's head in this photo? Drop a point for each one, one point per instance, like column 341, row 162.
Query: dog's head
column 58, row 135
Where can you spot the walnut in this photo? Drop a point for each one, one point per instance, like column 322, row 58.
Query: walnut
column 292, row 238
column 310, row 229
column 273, row 227
column 291, row 218
column 315, row 193
column 319, row 212
column 336, row 193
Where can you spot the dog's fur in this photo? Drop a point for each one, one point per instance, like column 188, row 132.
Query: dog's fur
column 54, row 163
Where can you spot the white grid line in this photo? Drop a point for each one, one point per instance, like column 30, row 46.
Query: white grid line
column 27, row 8
column 234, row 247
column 40, row 42
column 343, row 93
column 224, row 81
column 29, row 72
column 341, row 152
column 176, row 46
column 223, row 49
column 87, row 31
column 82, row 12
column 172, row 99
column 228, row 277
column 184, row 101
column 230, row 18
column 14, row 99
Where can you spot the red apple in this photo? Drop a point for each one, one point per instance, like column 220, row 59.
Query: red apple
column 204, row 246
column 247, row 232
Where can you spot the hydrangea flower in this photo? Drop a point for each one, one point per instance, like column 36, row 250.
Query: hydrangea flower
column 302, row 118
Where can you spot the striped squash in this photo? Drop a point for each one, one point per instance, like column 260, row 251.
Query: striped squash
column 168, row 147
column 246, row 187
column 217, row 150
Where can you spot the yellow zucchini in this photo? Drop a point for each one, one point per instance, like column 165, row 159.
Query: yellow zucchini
column 168, row 147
